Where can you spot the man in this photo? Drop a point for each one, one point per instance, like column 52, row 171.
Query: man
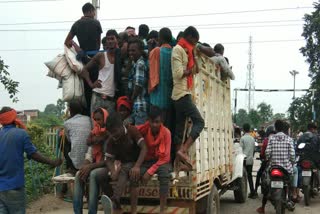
column 97, row 174
column 138, row 81
column 105, row 88
column 157, row 160
column 143, row 34
column 160, row 77
column 88, row 32
column 222, row 62
column 14, row 142
column 126, row 145
column 131, row 31
column 248, row 143
column 77, row 130
column 183, row 69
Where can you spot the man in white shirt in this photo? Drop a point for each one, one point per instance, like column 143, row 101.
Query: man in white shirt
column 222, row 62
column 104, row 88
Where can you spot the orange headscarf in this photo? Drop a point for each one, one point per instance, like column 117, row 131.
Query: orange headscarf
column 125, row 101
column 189, row 49
column 97, row 130
column 10, row 117
column 145, row 130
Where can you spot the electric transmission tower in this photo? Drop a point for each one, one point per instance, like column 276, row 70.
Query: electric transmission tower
column 250, row 78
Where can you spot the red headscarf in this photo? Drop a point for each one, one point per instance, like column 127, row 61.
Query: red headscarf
column 145, row 130
column 97, row 130
column 125, row 101
column 10, row 117
column 189, row 49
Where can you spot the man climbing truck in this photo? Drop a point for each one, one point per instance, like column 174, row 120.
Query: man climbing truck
column 217, row 163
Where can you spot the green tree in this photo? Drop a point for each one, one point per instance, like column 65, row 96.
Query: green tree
column 265, row 112
column 61, row 106
column 51, row 109
column 10, row 85
column 300, row 109
column 279, row 116
column 242, row 117
column 255, row 119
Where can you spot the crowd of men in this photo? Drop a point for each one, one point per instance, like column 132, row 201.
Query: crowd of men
column 138, row 97
column 278, row 148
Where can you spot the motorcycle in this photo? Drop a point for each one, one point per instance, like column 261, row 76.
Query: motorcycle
column 279, row 189
column 310, row 181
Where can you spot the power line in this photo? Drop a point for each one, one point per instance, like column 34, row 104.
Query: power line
column 170, row 16
column 244, row 42
column 27, row 1
column 176, row 27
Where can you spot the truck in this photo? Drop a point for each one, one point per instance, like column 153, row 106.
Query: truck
column 218, row 163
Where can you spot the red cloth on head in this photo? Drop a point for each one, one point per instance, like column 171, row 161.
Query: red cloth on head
column 125, row 101
column 97, row 152
column 189, row 49
column 10, row 117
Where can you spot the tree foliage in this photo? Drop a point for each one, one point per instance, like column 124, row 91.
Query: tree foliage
column 10, row 85
column 300, row 109
column 265, row 112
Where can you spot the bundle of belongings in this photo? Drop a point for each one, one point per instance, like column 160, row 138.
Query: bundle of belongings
column 66, row 68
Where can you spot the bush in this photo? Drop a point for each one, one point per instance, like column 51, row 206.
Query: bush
column 38, row 176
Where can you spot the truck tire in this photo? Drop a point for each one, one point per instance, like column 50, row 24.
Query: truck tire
column 306, row 194
column 240, row 194
column 213, row 205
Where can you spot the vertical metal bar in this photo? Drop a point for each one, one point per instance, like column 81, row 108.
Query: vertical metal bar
column 235, row 104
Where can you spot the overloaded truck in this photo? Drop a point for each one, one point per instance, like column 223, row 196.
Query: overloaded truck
column 217, row 162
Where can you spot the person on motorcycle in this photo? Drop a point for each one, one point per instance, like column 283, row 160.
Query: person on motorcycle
column 280, row 152
column 312, row 147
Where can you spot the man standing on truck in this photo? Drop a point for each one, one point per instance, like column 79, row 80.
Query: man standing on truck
column 248, row 144
column 88, row 32
column 14, row 142
column 125, row 144
column 157, row 160
column 160, row 76
column 105, row 88
column 183, row 69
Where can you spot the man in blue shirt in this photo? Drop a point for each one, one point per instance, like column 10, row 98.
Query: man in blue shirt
column 13, row 143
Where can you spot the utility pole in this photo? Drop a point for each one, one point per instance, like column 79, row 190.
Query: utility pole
column 294, row 73
column 96, row 4
column 250, row 82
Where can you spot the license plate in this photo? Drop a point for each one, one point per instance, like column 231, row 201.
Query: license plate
column 306, row 173
column 277, row 184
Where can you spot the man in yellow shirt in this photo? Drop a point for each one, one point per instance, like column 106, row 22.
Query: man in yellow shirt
column 183, row 69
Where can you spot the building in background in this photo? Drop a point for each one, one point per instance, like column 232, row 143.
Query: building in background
column 28, row 115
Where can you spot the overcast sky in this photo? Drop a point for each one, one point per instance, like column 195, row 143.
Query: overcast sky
column 226, row 22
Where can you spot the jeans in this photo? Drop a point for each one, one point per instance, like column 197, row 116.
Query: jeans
column 163, row 175
column 93, row 192
column 250, row 180
column 98, row 102
column 259, row 174
column 13, row 201
column 186, row 108
column 295, row 177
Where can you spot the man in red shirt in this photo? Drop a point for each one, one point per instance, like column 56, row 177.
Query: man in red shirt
column 157, row 160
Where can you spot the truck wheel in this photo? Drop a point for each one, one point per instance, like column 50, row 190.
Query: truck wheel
column 213, row 205
column 240, row 194
column 306, row 194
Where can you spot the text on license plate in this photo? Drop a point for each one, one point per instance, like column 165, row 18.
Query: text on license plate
column 306, row 173
column 276, row 184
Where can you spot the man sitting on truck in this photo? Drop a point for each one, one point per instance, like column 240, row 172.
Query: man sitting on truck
column 125, row 144
column 88, row 32
column 183, row 69
column 157, row 160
